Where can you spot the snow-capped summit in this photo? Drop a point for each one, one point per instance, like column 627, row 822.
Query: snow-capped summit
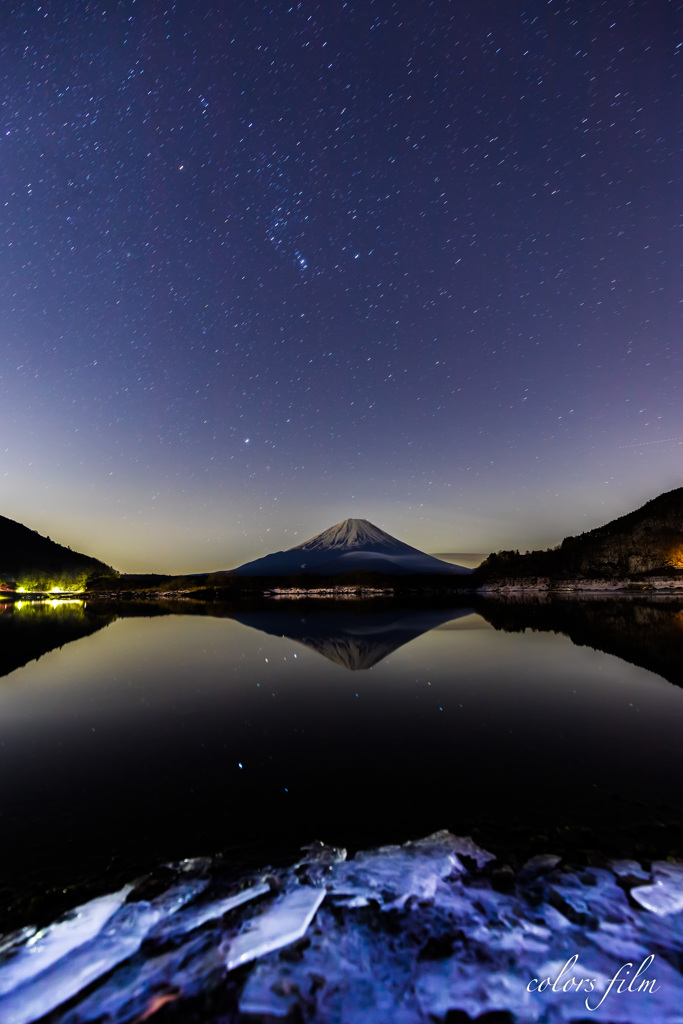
column 354, row 544
column 354, row 535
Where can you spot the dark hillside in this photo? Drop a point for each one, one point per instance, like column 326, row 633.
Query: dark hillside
column 649, row 540
column 34, row 562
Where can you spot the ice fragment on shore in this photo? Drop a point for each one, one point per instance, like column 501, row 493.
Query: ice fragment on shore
column 285, row 922
column 321, row 853
column 665, row 895
column 187, row 920
column 449, row 986
column 464, row 845
column 628, row 868
column 541, row 864
column 344, row 974
column 468, row 946
column 130, row 992
column 662, row 898
column 118, row 940
column 11, row 941
column 190, row 864
column 275, row 997
column 414, row 869
column 353, row 902
column 614, row 940
column 44, row 947
column 120, row 937
column 554, row 918
column 665, row 869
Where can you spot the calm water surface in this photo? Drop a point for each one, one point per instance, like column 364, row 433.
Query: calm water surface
column 187, row 734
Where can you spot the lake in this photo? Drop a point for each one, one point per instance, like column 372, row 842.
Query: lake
column 141, row 734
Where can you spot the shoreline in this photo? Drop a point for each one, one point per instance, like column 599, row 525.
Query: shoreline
column 623, row 587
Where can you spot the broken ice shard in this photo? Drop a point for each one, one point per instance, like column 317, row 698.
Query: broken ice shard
column 120, row 937
column 665, row 895
column 131, row 991
column 414, row 869
column 662, row 898
column 50, row 944
column 628, row 869
column 451, row 941
column 285, row 922
column 187, row 920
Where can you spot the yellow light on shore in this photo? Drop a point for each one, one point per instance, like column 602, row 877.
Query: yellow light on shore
column 53, row 603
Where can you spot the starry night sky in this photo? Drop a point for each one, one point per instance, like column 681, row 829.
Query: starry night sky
column 265, row 266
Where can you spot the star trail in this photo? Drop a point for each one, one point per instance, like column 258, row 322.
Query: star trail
column 266, row 266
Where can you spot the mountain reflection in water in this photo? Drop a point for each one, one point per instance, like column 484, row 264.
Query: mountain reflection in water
column 173, row 734
column 643, row 630
column 353, row 641
column 29, row 629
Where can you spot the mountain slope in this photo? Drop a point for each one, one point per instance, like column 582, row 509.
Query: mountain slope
column 353, row 545
column 35, row 562
column 648, row 540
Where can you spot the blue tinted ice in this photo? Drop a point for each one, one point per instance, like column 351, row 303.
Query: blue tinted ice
column 402, row 935
column 392, row 874
column 194, row 917
column 281, row 924
column 119, row 938
column 46, row 946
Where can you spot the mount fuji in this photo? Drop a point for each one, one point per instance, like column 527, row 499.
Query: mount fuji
column 354, row 545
